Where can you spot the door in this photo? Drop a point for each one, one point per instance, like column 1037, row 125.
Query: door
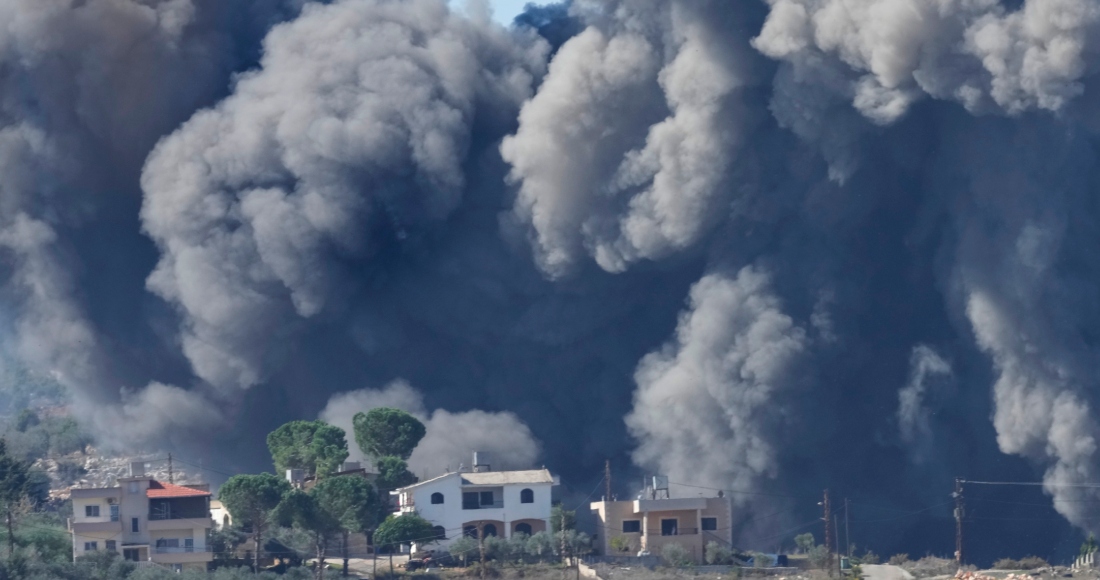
column 668, row 527
column 131, row 554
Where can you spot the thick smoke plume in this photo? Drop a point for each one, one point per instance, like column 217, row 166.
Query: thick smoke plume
column 765, row 246
column 449, row 439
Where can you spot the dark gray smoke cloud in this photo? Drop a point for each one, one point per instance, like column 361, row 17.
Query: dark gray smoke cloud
column 766, row 246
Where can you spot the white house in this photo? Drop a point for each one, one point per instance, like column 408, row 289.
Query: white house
column 144, row 520
column 494, row 503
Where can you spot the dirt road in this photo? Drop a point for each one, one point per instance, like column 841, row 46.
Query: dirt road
column 884, row 572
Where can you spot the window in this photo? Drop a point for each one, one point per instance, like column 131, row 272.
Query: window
column 437, row 497
column 710, row 524
column 114, row 513
column 632, row 526
column 669, row 527
column 489, row 530
column 188, row 545
column 440, row 533
column 526, row 496
column 470, row 500
column 133, row 487
column 486, row 498
column 91, row 511
column 111, row 546
column 134, row 525
column 91, row 546
column 523, row 528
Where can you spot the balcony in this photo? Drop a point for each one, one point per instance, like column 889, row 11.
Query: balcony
column 90, row 526
column 483, row 506
column 180, row 549
column 675, row 532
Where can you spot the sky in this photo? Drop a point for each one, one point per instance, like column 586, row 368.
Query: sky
column 766, row 247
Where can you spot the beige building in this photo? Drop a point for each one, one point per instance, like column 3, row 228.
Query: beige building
column 647, row 525
column 144, row 520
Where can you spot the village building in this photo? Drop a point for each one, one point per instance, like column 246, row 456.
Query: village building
column 649, row 523
column 144, row 520
column 486, row 502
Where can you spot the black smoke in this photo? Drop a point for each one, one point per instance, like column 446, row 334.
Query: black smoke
column 770, row 247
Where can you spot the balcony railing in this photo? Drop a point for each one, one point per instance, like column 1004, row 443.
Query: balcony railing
column 675, row 532
column 171, row 516
column 180, row 549
column 483, row 506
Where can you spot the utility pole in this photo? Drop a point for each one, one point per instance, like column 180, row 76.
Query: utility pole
column 481, row 547
column 607, row 480
column 171, row 477
column 828, row 533
column 847, row 538
column 836, row 528
column 959, row 512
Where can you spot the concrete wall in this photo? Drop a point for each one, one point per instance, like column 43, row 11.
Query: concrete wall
column 690, row 534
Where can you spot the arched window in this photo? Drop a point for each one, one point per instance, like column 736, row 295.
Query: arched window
column 437, row 497
column 527, row 496
column 470, row 531
column 440, row 533
column 489, row 530
column 523, row 528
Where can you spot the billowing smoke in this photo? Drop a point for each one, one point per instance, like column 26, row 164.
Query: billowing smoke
column 795, row 244
column 259, row 204
column 927, row 371
column 720, row 384
column 450, row 438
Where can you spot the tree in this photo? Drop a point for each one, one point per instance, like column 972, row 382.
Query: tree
column 1089, row 546
column 251, row 499
column 306, row 512
column 463, row 547
column 352, row 501
column 541, row 545
column 393, row 473
column 805, row 542
column 15, row 481
column 405, row 529
column 387, row 432
column 313, row 446
column 557, row 513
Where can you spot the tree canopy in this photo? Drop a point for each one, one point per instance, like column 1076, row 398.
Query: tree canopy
column 351, row 500
column 404, row 529
column 392, row 474
column 387, row 432
column 313, row 446
column 251, row 499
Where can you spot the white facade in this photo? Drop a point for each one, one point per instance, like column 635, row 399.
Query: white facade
column 499, row 503
column 144, row 520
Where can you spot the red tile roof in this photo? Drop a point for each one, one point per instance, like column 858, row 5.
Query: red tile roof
column 165, row 490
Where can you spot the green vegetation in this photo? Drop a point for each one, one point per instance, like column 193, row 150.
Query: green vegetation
column 405, row 529
column 1089, row 545
column 386, row 432
column 676, row 556
column 250, row 499
column 718, row 555
column 898, row 559
column 1025, row 563
column 313, row 446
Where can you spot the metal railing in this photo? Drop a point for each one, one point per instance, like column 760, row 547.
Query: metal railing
column 180, row 549
column 173, row 516
column 483, row 506
column 675, row 532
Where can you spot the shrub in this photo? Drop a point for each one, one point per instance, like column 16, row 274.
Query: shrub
column 676, row 555
column 620, row 544
column 717, row 554
column 869, row 557
column 898, row 559
column 1026, row 563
